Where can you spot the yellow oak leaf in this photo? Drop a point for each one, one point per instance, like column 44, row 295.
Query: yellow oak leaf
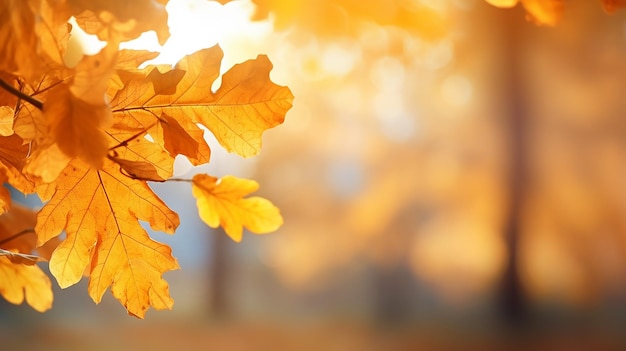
column 246, row 104
column 222, row 202
column 19, row 278
column 99, row 211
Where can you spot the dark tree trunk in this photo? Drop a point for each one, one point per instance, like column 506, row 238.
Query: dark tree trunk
column 512, row 303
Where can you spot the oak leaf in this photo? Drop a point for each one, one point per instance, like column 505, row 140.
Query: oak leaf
column 246, row 104
column 222, row 202
column 99, row 211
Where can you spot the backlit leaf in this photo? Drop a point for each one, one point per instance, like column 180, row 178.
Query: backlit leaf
column 99, row 211
column 222, row 203
column 19, row 282
column 246, row 104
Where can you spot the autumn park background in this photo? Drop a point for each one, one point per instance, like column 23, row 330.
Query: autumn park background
column 451, row 176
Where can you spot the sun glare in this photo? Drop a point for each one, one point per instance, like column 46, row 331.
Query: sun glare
column 195, row 25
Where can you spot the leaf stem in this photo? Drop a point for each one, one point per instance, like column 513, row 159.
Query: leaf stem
column 11, row 89
column 179, row 180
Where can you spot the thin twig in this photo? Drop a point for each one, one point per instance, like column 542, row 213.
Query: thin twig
column 11, row 89
column 16, row 235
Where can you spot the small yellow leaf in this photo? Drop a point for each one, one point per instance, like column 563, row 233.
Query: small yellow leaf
column 222, row 203
column 18, row 281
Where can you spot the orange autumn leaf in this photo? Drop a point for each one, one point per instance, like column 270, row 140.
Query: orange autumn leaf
column 33, row 37
column 222, row 203
column 99, row 211
column 19, row 278
column 78, row 113
column 246, row 104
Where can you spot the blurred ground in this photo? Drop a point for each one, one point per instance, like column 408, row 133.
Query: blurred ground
column 277, row 337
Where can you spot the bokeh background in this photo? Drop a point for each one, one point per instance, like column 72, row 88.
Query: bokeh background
column 451, row 177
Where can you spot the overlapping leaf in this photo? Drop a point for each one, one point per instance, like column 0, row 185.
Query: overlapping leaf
column 90, row 158
column 246, row 104
column 33, row 38
column 222, row 202
column 99, row 211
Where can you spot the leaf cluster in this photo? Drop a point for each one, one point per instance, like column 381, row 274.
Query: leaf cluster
column 87, row 140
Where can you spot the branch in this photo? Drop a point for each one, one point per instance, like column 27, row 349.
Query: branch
column 16, row 235
column 11, row 89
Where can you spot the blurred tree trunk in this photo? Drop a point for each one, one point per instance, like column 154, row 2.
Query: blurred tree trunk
column 512, row 302
column 218, row 272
